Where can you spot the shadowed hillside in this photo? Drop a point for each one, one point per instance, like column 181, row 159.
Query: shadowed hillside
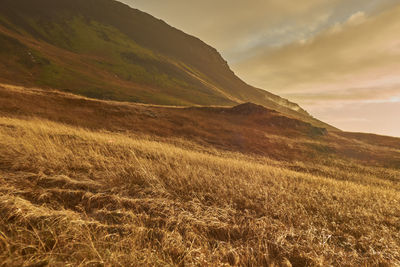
column 107, row 50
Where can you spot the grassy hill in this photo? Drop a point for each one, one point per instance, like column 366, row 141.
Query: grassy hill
column 91, row 182
column 107, row 50
column 126, row 142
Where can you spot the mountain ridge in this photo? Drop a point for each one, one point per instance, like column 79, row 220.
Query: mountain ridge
column 108, row 50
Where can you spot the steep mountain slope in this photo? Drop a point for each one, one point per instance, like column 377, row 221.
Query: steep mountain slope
column 107, row 50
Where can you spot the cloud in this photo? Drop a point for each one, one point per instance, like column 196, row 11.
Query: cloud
column 356, row 18
column 363, row 52
column 237, row 27
column 380, row 118
column 350, row 95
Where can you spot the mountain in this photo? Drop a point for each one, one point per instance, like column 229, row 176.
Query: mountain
column 104, row 49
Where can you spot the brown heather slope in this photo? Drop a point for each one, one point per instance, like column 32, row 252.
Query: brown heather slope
column 106, row 50
column 86, row 182
column 246, row 128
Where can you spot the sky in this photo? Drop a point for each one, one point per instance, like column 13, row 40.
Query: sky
column 338, row 59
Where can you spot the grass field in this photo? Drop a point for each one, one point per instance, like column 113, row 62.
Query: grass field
column 102, row 198
column 126, row 142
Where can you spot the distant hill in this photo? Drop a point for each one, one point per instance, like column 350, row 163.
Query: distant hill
column 104, row 49
column 246, row 128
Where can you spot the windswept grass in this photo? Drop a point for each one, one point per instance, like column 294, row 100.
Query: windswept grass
column 70, row 195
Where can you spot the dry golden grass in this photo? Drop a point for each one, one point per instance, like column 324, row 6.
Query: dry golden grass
column 82, row 197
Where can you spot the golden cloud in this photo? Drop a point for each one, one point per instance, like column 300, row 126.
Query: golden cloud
column 363, row 52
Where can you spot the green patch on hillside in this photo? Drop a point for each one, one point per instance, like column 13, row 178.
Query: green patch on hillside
column 116, row 53
column 16, row 53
